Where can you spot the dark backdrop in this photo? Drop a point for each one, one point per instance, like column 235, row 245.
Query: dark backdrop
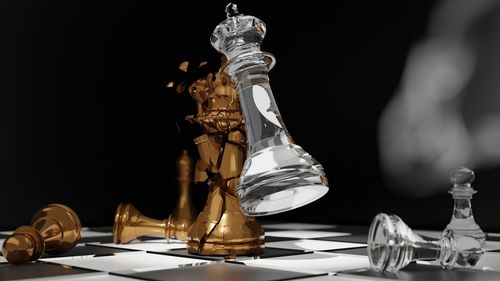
column 86, row 120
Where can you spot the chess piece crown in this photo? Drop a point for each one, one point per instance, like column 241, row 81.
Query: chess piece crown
column 218, row 108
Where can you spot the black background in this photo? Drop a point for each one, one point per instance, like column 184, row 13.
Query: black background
column 86, row 120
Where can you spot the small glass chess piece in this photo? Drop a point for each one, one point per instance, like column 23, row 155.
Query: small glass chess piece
column 278, row 175
column 392, row 245
column 462, row 222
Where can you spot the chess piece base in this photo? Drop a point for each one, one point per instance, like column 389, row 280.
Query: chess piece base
column 131, row 224
column 223, row 230
column 226, row 249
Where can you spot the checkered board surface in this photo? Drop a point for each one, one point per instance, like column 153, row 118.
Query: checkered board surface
column 294, row 251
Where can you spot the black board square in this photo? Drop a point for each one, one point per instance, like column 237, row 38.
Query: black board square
column 353, row 251
column 219, row 272
column 358, row 238
column 86, row 250
column 37, row 270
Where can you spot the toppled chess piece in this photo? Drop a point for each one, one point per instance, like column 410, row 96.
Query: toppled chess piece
column 130, row 224
column 392, row 245
column 54, row 229
column 462, row 222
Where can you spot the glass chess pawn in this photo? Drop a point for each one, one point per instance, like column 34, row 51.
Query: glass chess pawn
column 462, row 221
column 392, row 245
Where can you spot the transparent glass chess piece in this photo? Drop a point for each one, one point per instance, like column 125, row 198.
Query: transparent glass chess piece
column 392, row 245
column 462, row 221
column 278, row 175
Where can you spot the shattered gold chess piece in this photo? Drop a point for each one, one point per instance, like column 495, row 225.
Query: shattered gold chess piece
column 278, row 175
column 130, row 224
column 221, row 228
column 392, row 245
column 54, row 229
column 462, row 222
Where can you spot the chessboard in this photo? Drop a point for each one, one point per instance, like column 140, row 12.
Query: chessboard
column 294, row 251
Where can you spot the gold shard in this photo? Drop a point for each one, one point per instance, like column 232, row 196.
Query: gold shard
column 184, row 66
column 180, row 88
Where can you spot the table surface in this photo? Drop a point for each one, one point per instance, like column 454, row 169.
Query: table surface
column 294, row 251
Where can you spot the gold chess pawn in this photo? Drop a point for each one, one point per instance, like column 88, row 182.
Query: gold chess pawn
column 130, row 224
column 54, row 229
column 221, row 228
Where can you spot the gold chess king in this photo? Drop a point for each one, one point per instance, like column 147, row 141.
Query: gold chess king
column 221, row 228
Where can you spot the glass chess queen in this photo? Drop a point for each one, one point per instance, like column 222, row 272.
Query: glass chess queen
column 278, row 175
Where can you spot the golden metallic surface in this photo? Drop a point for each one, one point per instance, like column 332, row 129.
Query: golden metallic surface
column 184, row 66
column 54, row 229
column 218, row 105
column 24, row 245
column 184, row 214
column 130, row 223
column 180, row 88
column 60, row 227
column 221, row 228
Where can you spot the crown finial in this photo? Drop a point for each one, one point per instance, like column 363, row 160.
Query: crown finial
column 462, row 177
column 231, row 10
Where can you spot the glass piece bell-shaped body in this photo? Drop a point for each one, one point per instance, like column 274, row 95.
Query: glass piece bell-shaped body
column 392, row 245
column 278, row 175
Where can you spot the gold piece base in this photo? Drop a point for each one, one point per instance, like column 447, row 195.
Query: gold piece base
column 247, row 249
column 223, row 230
column 122, row 218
